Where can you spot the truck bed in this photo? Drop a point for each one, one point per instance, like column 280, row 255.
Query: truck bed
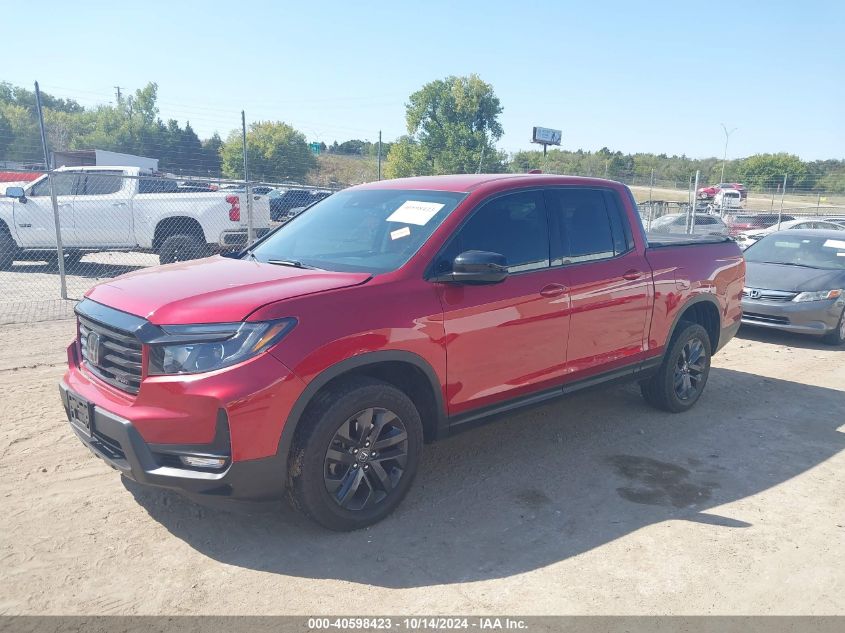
column 662, row 240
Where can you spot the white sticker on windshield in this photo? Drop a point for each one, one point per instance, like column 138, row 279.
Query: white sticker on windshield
column 834, row 243
column 415, row 212
column 405, row 231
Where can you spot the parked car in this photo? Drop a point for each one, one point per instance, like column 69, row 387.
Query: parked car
column 748, row 238
column 710, row 192
column 317, row 362
column 290, row 214
column 115, row 208
column 742, row 222
column 796, row 282
column 726, row 199
column 295, row 198
column 192, row 186
column 836, row 220
column 705, row 224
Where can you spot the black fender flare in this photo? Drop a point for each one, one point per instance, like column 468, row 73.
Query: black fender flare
column 700, row 298
column 349, row 364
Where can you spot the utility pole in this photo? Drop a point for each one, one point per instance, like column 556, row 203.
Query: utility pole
column 725, row 157
column 692, row 207
column 782, row 194
column 379, row 154
column 650, row 203
column 117, row 93
column 249, row 230
column 60, row 253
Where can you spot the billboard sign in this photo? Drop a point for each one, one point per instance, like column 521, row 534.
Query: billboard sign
column 546, row 136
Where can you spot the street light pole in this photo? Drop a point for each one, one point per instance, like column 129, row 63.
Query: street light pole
column 725, row 157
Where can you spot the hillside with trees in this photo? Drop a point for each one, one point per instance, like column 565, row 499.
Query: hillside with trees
column 452, row 127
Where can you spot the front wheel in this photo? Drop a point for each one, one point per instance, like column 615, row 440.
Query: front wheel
column 355, row 454
column 679, row 382
column 837, row 336
column 8, row 249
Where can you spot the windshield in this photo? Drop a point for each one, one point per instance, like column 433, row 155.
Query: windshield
column 373, row 231
column 799, row 250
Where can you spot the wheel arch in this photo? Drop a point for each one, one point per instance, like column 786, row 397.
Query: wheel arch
column 704, row 310
column 4, row 228
column 174, row 226
column 405, row 370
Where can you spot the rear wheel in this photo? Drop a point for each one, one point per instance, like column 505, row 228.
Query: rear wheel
column 356, row 455
column 181, row 248
column 837, row 336
column 679, row 382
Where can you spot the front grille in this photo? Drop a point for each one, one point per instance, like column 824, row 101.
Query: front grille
column 768, row 295
column 764, row 318
column 117, row 359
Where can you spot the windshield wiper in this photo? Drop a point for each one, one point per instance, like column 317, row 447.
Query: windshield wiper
column 251, row 255
column 293, row 263
column 790, row 264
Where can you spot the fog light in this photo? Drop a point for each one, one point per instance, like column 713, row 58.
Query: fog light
column 202, row 462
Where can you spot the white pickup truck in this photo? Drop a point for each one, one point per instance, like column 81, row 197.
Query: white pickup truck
column 125, row 209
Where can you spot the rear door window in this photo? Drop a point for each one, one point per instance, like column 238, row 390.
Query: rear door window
column 586, row 225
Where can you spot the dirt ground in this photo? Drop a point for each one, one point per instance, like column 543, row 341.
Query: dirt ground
column 595, row 504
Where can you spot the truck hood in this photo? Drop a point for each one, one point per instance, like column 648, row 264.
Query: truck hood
column 213, row 290
column 791, row 278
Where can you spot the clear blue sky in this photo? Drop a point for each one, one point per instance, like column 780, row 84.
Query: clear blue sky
column 658, row 77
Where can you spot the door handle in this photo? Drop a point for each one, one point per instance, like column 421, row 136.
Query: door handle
column 553, row 290
column 118, row 204
column 632, row 274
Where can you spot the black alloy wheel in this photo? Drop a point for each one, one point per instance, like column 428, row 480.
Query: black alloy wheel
column 366, row 459
column 355, row 453
column 689, row 369
column 679, row 381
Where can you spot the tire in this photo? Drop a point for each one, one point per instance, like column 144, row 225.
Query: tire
column 837, row 336
column 679, row 382
column 337, row 479
column 181, row 247
column 8, row 250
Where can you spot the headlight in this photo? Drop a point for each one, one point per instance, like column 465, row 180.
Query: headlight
column 821, row 295
column 191, row 349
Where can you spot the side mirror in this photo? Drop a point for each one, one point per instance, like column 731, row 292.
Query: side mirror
column 16, row 192
column 477, row 267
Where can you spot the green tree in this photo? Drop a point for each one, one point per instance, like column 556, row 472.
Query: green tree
column 6, row 137
column 766, row 171
column 276, row 152
column 24, row 141
column 453, row 124
column 211, row 155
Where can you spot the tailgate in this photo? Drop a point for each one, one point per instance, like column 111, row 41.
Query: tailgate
column 260, row 211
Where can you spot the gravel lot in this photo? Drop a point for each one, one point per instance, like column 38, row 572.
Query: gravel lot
column 595, row 504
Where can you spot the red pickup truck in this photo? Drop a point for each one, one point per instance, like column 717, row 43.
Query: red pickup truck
column 318, row 362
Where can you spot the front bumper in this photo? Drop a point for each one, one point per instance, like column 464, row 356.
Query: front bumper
column 810, row 317
column 117, row 442
column 237, row 413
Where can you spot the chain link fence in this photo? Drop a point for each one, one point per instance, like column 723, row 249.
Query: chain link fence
column 116, row 220
column 64, row 231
